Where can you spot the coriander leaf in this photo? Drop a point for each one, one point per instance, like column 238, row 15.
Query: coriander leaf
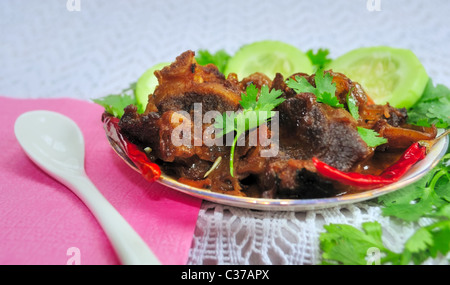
column 371, row 137
column 423, row 122
column 219, row 59
column 320, row 58
column 325, row 89
column 441, row 237
column 432, row 108
column 425, row 198
column 415, row 209
column 115, row 103
column 255, row 112
column 249, row 98
column 421, row 239
column 324, row 82
column 330, row 100
column 345, row 244
column 301, row 85
column 269, row 100
column 443, row 211
column 427, row 242
column 351, row 105
column 439, row 113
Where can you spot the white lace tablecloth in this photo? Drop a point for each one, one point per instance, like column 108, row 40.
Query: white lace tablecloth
column 57, row 48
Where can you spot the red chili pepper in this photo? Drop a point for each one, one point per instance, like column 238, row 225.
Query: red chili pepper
column 413, row 154
column 148, row 169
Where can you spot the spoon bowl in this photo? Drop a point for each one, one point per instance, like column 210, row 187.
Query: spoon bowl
column 52, row 141
column 56, row 144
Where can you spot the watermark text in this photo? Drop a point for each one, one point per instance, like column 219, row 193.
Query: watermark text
column 373, row 5
column 73, row 5
column 75, row 256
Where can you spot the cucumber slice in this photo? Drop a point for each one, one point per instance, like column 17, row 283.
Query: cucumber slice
column 146, row 84
column 387, row 74
column 268, row 57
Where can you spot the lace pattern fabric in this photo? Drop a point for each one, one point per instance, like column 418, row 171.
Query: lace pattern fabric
column 49, row 50
column 227, row 235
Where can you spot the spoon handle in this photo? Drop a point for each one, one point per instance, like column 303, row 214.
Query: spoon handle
column 129, row 246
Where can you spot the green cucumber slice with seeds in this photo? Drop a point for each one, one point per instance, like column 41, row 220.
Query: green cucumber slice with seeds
column 387, row 74
column 268, row 57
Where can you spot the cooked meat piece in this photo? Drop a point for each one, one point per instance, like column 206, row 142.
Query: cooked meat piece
column 184, row 83
column 314, row 129
column 403, row 137
column 295, row 179
column 280, row 84
column 140, row 129
column 257, row 79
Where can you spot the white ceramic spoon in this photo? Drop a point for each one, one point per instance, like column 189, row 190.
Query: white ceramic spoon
column 55, row 143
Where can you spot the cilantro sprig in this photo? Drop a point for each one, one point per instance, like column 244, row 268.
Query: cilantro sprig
column 116, row 103
column 370, row 137
column 320, row 58
column 219, row 59
column 429, row 197
column 256, row 111
column 432, row 108
column 324, row 90
column 347, row 245
column 351, row 105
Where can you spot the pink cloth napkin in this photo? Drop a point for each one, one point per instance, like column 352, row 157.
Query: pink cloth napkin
column 43, row 222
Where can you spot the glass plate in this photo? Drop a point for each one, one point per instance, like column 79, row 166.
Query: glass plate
column 414, row 174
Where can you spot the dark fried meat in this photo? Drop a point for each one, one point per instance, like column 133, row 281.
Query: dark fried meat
column 184, row 83
column 315, row 129
column 295, row 179
column 140, row 129
column 307, row 129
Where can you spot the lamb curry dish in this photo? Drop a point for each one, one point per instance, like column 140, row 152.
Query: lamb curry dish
column 305, row 127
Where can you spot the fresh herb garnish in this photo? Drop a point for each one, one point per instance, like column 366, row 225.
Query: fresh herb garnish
column 324, row 90
column 320, row 58
column 347, row 245
column 432, row 108
column 116, row 103
column 428, row 197
column 351, row 104
column 256, row 111
column 219, row 59
column 370, row 137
